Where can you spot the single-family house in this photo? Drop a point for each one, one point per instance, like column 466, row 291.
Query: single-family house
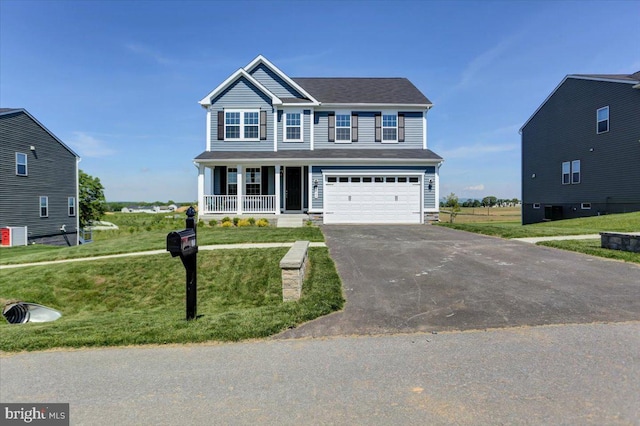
column 343, row 150
column 581, row 149
column 38, row 180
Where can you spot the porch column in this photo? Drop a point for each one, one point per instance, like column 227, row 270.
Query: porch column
column 212, row 180
column 200, row 189
column 277, row 185
column 240, row 187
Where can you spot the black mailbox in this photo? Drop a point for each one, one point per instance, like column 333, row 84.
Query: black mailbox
column 182, row 243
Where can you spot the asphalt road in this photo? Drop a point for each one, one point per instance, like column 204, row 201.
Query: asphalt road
column 402, row 279
column 578, row 374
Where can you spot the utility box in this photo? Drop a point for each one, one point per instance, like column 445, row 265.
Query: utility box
column 13, row 236
column 182, row 243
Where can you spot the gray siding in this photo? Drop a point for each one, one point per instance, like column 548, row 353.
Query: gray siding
column 51, row 172
column 564, row 129
column 306, row 132
column 366, row 132
column 273, row 82
column 241, row 94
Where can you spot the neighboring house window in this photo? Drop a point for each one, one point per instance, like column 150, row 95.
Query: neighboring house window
column 241, row 125
column 585, row 206
column 21, row 164
column 253, row 181
column 389, row 128
column 566, row 173
column 232, row 181
column 603, row 119
column 536, row 205
column 71, row 202
column 343, row 128
column 293, row 126
column 575, row 171
column 44, row 206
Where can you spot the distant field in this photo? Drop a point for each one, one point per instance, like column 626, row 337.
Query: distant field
column 483, row 214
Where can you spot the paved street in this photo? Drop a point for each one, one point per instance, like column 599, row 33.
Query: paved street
column 577, row 374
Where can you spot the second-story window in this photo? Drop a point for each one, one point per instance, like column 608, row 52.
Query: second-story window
column 389, row 128
column 575, row 171
column 21, row 164
column 44, row 206
column 293, row 126
column 603, row 120
column 241, row 125
column 566, row 173
column 343, row 128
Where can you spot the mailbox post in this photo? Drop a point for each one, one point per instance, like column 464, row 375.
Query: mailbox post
column 184, row 244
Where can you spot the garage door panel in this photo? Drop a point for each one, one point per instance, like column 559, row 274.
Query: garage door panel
column 379, row 199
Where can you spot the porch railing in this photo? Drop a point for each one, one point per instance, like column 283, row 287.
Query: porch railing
column 229, row 203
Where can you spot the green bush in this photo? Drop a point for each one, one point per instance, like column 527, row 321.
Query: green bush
column 243, row 223
column 236, row 220
column 226, row 219
column 213, row 222
column 262, row 223
column 252, row 221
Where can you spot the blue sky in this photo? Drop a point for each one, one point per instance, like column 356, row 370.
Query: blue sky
column 119, row 81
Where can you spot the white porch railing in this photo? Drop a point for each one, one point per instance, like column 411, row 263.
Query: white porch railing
column 229, row 204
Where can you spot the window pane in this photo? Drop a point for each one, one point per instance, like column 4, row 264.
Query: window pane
column 232, row 132
column 366, row 179
column 343, row 134
column 343, row 120
column 391, row 179
column 232, row 118
column 344, row 179
column 388, row 134
column 293, row 119
column 251, row 132
column 355, row 179
column 603, row 114
column 251, row 118
column 402, row 179
column 293, row 132
column 603, row 126
column 389, row 121
column 379, row 179
column 332, row 179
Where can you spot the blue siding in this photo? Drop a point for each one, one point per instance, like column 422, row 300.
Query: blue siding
column 366, row 132
column 273, row 82
column 306, row 133
column 241, row 94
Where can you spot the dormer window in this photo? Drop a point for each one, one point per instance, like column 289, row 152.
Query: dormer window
column 603, row 120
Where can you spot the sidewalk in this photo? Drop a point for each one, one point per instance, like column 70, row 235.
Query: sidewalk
column 535, row 240
column 153, row 252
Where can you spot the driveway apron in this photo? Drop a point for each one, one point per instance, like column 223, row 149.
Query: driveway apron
column 428, row 278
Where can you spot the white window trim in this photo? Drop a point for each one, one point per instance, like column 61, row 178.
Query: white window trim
column 284, row 126
column 536, row 205
column 585, row 206
column 579, row 172
column 46, row 205
column 70, row 206
column 246, row 180
column 347, row 113
column 568, row 163
column 26, row 164
column 598, row 120
column 382, row 126
column 242, row 125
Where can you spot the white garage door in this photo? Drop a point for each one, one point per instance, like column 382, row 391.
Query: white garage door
column 372, row 199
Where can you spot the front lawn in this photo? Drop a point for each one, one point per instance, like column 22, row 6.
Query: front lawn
column 593, row 248
column 141, row 300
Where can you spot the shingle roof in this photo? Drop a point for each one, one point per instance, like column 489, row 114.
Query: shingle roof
column 5, row 110
column 330, row 154
column 630, row 77
column 363, row 90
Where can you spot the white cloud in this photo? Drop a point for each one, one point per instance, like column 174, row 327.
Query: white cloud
column 475, row 188
column 88, row 146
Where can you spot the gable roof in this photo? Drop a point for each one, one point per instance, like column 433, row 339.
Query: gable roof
column 8, row 111
column 364, row 91
column 611, row 78
column 331, row 91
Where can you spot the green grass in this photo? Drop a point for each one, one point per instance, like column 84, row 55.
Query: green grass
column 627, row 222
column 141, row 300
column 142, row 232
column 593, row 248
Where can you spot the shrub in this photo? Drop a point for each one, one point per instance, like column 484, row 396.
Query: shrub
column 226, row 219
column 213, row 222
column 252, row 221
column 236, row 220
column 243, row 222
column 262, row 223
column 228, row 224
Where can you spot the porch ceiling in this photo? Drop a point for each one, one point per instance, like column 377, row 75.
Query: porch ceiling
column 333, row 155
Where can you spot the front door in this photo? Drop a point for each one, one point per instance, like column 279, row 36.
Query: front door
column 293, row 188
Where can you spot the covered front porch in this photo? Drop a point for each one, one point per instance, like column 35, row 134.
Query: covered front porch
column 243, row 189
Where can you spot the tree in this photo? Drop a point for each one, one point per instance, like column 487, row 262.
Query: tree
column 489, row 201
column 452, row 202
column 92, row 202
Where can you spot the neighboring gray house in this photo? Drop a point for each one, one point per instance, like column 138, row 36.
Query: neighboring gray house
column 38, row 180
column 346, row 150
column 581, row 149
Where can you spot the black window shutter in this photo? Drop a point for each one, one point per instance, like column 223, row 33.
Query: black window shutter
column 264, row 180
column 220, row 125
column 332, row 127
column 223, row 180
column 354, row 127
column 400, row 127
column 263, row 125
column 378, row 123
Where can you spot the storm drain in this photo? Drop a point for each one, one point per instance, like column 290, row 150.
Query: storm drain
column 22, row 312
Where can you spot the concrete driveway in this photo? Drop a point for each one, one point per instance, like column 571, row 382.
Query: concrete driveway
column 429, row 278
